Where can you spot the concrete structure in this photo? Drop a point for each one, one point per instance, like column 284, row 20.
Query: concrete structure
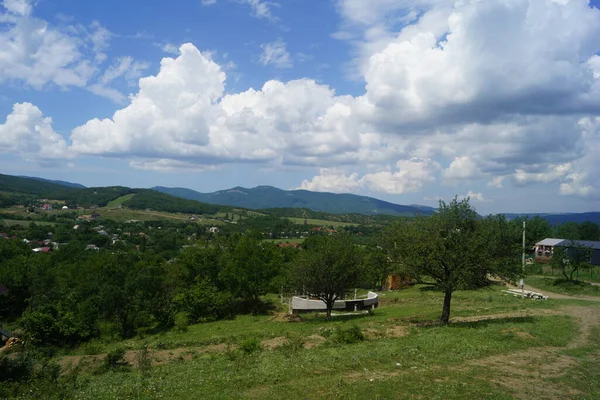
column 305, row 304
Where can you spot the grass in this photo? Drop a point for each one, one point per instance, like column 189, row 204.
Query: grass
column 11, row 222
column 425, row 361
column 141, row 215
column 397, row 307
column 560, row 285
column 118, row 201
column 321, row 222
column 590, row 273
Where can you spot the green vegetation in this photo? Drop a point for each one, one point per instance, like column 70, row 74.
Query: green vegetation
column 10, row 222
column 147, row 304
column 266, row 197
column 564, row 286
column 150, row 199
column 328, row 269
column 120, row 200
column 455, row 248
column 291, row 240
column 321, row 222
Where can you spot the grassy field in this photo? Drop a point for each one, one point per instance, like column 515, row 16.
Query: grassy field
column 124, row 214
column 118, row 201
column 498, row 346
column 10, row 222
column 321, row 222
column 559, row 285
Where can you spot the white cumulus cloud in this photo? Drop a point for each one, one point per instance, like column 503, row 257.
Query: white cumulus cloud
column 276, row 54
column 28, row 133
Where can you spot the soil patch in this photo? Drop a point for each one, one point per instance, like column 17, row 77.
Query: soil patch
column 397, row 331
column 313, row 341
column 272, row 344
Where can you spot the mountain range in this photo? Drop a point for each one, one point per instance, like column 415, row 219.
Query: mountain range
column 264, row 197
column 258, row 198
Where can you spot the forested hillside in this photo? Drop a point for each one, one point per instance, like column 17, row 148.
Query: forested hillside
column 265, row 197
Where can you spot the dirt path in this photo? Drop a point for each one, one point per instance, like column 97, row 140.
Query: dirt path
column 528, row 373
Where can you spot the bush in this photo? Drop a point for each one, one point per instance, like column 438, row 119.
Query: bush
column 144, row 361
column 182, row 321
column 115, row 358
column 16, row 368
column 203, row 302
column 250, row 345
column 349, row 335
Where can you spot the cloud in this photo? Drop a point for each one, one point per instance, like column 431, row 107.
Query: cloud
column 38, row 54
column 486, row 88
column 497, row 182
column 410, row 176
column 167, row 47
column 107, row 92
column 124, row 67
column 475, row 196
column 462, row 168
column 480, row 71
column 18, row 7
column 332, row 180
column 275, row 54
column 552, row 174
column 28, row 133
column 165, row 165
column 260, row 8
column 166, row 116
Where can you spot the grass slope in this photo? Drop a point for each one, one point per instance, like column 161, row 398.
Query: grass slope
column 120, row 200
column 519, row 348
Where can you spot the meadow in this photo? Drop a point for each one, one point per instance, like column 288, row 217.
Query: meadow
column 497, row 347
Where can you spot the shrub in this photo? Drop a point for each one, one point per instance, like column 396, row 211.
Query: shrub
column 144, row 360
column 349, row 335
column 250, row 345
column 115, row 358
column 182, row 321
column 16, row 368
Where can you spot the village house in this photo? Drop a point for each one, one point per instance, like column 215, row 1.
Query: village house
column 545, row 248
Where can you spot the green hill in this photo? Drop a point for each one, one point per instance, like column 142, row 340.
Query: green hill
column 266, row 197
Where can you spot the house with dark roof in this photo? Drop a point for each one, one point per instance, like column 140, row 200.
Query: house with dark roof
column 545, row 248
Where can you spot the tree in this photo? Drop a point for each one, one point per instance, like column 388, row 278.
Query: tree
column 589, row 231
column 538, row 228
column 570, row 258
column 567, row 230
column 455, row 248
column 249, row 268
column 328, row 268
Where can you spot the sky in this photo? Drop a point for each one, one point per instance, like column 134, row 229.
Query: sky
column 409, row 101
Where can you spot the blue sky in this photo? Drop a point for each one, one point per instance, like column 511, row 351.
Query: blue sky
column 404, row 100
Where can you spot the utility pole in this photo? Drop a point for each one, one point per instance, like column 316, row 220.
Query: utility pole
column 523, row 261
column 523, row 256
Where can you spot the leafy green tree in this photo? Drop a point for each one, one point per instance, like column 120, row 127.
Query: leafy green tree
column 203, row 302
column 328, row 268
column 249, row 268
column 568, row 230
column 568, row 259
column 455, row 248
column 589, row 231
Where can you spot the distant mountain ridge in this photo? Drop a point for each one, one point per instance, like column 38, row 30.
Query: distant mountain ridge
column 61, row 183
column 265, row 197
